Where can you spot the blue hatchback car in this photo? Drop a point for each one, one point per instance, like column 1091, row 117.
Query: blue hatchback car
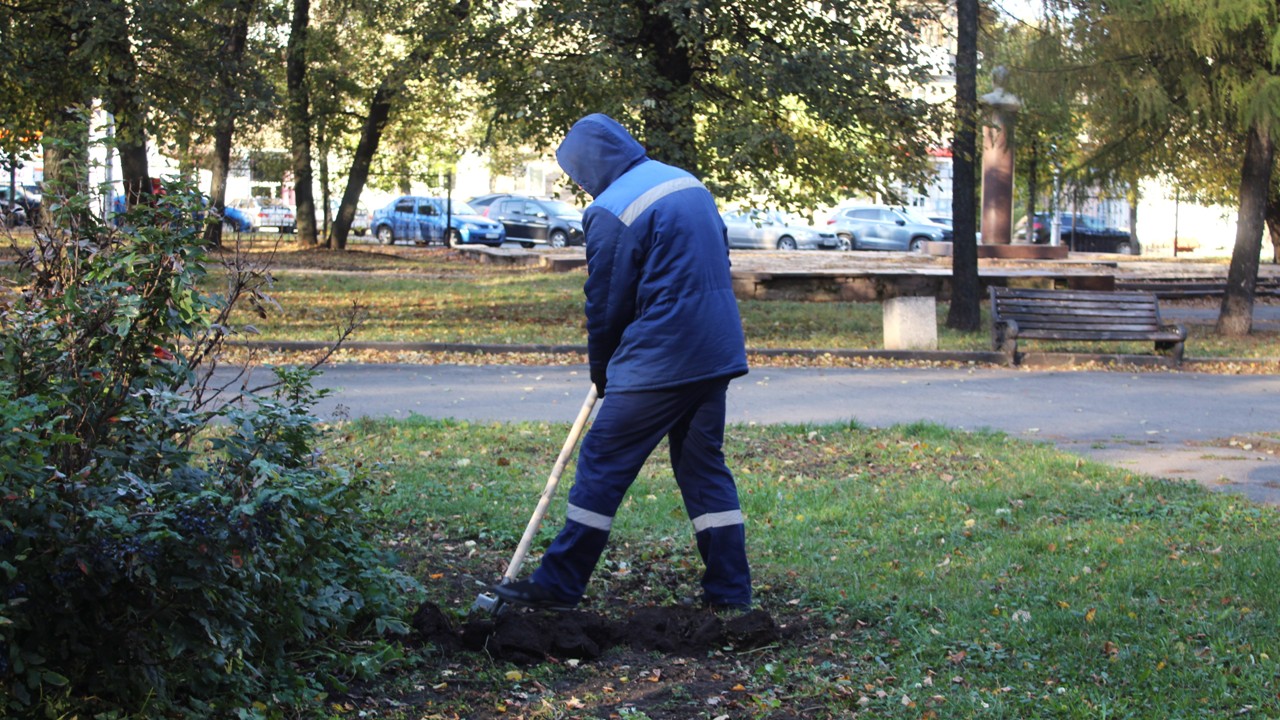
column 235, row 220
column 422, row 220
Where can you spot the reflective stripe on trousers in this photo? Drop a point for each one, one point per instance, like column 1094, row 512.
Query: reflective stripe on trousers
column 626, row 430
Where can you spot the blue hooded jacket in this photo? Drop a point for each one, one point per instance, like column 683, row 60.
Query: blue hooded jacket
column 660, row 306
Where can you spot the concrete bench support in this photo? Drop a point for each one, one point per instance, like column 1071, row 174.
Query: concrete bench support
column 911, row 323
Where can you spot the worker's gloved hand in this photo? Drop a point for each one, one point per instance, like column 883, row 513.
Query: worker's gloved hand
column 599, row 380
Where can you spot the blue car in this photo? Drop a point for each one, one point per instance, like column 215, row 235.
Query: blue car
column 235, row 220
column 422, row 220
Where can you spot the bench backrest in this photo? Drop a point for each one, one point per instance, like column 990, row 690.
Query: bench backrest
column 1077, row 313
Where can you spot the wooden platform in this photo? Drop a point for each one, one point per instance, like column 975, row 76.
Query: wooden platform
column 817, row 276
column 1012, row 251
column 880, row 284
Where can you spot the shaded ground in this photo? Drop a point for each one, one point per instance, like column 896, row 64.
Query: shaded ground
column 657, row 662
column 630, row 651
column 525, row 637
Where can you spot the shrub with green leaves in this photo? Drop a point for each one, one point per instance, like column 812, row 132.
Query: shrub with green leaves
column 164, row 551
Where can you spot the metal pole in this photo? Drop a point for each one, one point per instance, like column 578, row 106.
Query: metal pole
column 1054, row 221
column 448, row 205
column 13, row 192
column 1177, row 206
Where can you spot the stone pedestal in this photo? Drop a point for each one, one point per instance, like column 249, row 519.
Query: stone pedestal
column 997, row 161
column 997, row 178
column 911, row 323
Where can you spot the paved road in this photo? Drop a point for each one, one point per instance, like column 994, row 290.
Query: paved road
column 1162, row 424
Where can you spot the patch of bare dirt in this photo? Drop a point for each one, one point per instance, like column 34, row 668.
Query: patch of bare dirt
column 527, row 637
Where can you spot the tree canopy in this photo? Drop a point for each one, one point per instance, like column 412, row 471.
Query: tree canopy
column 1160, row 76
column 803, row 103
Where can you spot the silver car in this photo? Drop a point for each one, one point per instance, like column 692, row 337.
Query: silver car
column 879, row 227
column 768, row 229
column 265, row 213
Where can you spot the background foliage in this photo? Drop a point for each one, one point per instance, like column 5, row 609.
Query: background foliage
column 162, row 551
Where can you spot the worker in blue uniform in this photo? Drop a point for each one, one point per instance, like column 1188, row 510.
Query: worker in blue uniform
column 664, row 339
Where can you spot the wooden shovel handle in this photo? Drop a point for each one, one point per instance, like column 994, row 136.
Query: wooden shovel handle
column 552, row 482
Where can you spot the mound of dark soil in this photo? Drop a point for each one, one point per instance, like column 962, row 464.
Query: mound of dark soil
column 531, row 637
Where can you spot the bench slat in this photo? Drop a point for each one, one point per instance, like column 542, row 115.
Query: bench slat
column 1026, row 327
column 1097, row 335
column 1052, row 305
column 1116, row 295
column 1085, row 316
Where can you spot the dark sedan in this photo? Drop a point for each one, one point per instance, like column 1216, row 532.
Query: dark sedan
column 533, row 221
column 1080, row 233
column 22, row 209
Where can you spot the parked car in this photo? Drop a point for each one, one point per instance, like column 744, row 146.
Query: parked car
column 25, row 205
column 533, row 221
column 236, row 220
column 359, row 223
column 265, row 213
column 948, row 222
column 769, row 229
column 880, row 227
column 12, row 215
column 1079, row 233
column 422, row 220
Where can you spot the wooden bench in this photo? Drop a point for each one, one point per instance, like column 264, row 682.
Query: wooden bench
column 1079, row 315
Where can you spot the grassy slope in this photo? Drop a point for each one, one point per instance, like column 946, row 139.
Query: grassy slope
column 438, row 296
column 973, row 574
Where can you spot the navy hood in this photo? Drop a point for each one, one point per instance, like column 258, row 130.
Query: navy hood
column 596, row 151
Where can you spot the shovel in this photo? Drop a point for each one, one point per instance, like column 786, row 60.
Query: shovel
column 490, row 603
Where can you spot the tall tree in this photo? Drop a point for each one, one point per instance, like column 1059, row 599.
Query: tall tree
column 965, row 311
column 48, row 49
column 151, row 63
column 298, row 121
column 121, row 32
column 1236, row 315
column 232, row 35
column 1155, row 71
column 425, row 54
column 804, row 103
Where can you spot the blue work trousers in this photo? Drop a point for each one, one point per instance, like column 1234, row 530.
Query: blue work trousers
column 627, row 428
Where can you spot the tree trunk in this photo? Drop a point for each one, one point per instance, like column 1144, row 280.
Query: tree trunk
column 124, row 101
column 219, row 169
column 370, row 136
column 134, row 172
column 299, row 119
column 1033, row 185
column 326, row 204
column 966, row 311
column 1134, row 196
column 669, row 120
column 1235, row 319
column 233, row 49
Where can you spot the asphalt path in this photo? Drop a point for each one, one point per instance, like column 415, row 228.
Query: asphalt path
column 1166, row 424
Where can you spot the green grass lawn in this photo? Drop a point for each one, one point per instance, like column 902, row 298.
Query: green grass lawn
column 466, row 302
column 973, row 574
column 440, row 296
